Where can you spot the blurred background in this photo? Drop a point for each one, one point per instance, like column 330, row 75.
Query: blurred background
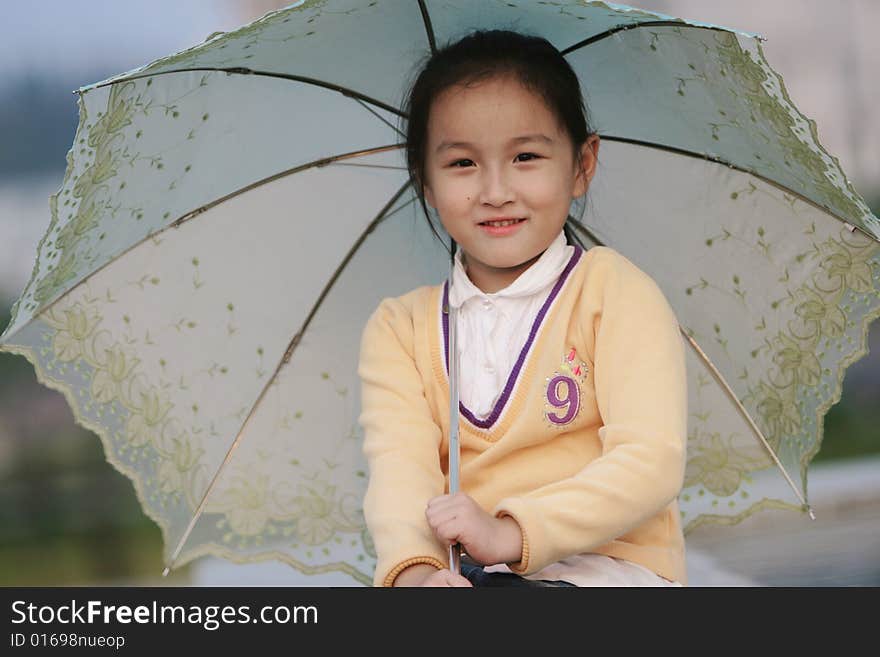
column 69, row 518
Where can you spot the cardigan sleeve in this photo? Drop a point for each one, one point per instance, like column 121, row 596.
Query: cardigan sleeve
column 641, row 393
column 401, row 445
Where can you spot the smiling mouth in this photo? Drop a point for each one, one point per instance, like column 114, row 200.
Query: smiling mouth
column 501, row 223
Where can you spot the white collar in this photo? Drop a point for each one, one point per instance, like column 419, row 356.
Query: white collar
column 544, row 271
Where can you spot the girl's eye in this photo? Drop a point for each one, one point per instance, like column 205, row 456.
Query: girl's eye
column 460, row 164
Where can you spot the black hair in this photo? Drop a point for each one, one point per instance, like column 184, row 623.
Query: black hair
column 487, row 54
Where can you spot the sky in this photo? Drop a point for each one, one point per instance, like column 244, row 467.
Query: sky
column 70, row 36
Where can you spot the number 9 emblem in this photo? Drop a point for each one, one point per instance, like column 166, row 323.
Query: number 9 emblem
column 563, row 392
column 569, row 400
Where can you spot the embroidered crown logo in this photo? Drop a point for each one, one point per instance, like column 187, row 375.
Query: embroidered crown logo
column 572, row 367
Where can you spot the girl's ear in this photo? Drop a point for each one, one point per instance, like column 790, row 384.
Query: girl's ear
column 589, row 157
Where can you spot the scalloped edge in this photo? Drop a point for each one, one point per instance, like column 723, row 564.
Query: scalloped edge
column 693, row 23
column 205, row 549
column 837, row 393
column 213, row 549
column 814, row 131
column 53, row 221
column 821, row 411
column 728, row 521
column 214, row 36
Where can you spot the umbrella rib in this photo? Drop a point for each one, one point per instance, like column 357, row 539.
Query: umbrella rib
column 632, row 26
column 713, row 158
column 241, row 70
column 381, row 216
column 333, row 159
column 720, row 378
column 368, row 166
column 429, row 29
column 748, row 418
column 380, row 117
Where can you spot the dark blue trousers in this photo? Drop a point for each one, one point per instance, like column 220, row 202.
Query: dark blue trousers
column 479, row 577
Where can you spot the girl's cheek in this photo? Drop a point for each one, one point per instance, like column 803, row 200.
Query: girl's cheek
column 460, row 195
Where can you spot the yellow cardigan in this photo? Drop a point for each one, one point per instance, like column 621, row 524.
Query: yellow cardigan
column 585, row 448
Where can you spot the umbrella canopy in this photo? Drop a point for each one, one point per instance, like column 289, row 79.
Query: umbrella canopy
column 232, row 214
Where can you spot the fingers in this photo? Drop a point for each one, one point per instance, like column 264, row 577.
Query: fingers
column 445, row 507
column 445, row 521
column 458, row 581
column 445, row 501
column 448, row 531
column 437, row 517
column 446, row 578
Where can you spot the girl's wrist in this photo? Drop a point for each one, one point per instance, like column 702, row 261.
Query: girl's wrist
column 414, row 575
column 510, row 540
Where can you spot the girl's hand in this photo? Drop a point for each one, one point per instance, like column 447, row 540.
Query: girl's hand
column 487, row 540
column 446, row 578
column 421, row 574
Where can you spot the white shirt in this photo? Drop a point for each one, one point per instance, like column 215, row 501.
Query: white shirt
column 492, row 328
column 491, row 331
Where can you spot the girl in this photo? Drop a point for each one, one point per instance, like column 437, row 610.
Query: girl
column 573, row 391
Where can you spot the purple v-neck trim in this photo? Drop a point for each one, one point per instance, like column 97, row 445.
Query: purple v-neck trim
column 514, row 374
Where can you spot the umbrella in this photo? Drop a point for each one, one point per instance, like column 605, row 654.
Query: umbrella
column 228, row 215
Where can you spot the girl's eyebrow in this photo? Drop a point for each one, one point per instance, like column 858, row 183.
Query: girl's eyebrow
column 516, row 140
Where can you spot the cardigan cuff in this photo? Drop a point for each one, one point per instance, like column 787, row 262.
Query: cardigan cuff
column 521, row 566
column 403, row 565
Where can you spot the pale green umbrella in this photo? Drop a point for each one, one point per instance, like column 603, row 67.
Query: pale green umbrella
column 232, row 214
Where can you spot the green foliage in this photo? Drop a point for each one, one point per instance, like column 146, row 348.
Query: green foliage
column 851, row 430
column 93, row 558
column 14, row 369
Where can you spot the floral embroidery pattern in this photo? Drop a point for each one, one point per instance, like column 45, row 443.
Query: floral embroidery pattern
column 144, row 432
column 796, row 390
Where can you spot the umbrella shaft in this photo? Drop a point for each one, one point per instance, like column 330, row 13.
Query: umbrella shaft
column 455, row 549
column 455, row 558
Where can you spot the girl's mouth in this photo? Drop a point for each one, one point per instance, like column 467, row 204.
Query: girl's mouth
column 503, row 227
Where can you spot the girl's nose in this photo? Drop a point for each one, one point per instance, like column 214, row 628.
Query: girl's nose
column 496, row 189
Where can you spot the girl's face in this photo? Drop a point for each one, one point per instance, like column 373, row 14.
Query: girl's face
column 495, row 151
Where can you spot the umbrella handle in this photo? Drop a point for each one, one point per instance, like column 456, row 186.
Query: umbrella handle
column 455, row 558
column 454, row 445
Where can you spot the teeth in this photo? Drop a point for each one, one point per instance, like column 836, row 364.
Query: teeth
column 502, row 223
